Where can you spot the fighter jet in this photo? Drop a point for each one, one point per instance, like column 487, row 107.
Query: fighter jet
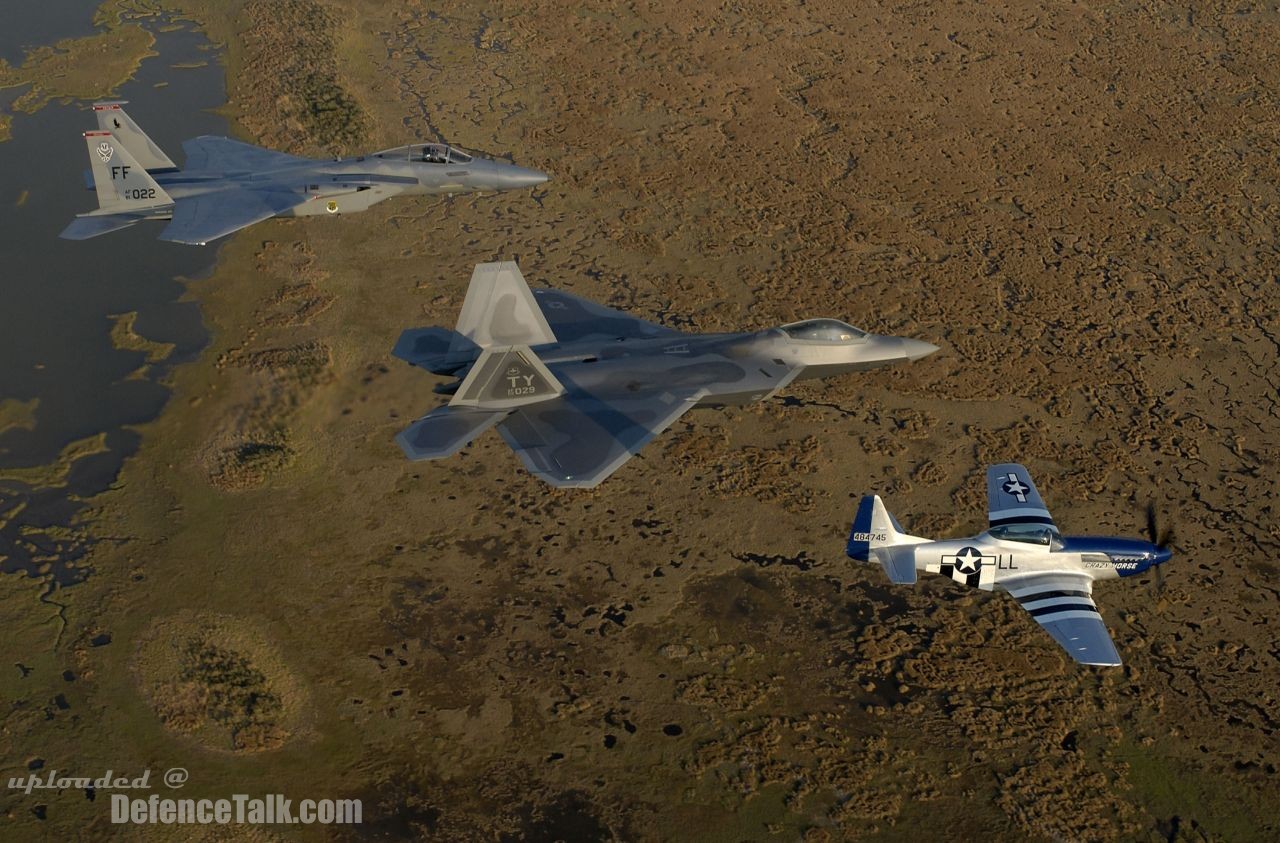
column 1021, row 552
column 228, row 185
column 576, row 389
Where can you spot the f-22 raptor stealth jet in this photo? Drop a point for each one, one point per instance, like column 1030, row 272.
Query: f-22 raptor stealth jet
column 576, row 389
column 1021, row 552
column 228, row 185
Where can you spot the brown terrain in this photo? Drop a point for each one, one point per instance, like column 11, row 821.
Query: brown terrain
column 1077, row 202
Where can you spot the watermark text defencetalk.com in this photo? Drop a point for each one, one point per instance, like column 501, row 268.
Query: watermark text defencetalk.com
column 240, row 808
column 155, row 809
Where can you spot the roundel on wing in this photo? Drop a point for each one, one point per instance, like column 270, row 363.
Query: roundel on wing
column 1014, row 486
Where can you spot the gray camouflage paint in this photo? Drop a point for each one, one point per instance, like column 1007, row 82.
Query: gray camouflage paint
column 610, row 382
column 227, row 185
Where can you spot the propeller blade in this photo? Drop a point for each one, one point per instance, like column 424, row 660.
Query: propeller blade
column 1151, row 522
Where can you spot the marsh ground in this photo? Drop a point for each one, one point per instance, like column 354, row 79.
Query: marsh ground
column 1076, row 202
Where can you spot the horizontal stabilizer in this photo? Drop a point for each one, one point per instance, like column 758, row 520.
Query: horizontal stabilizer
column 438, row 350
column 578, row 440
column 91, row 225
column 899, row 564
column 445, row 431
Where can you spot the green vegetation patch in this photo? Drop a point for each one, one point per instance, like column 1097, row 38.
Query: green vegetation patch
column 17, row 413
column 291, row 61
column 124, row 336
column 218, row 680
column 55, row 473
column 87, row 68
column 1190, row 804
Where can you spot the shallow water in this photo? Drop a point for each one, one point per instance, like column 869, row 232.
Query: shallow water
column 59, row 295
column 28, row 24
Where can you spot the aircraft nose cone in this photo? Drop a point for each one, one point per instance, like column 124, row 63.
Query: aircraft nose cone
column 917, row 349
column 1162, row 555
column 515, row 178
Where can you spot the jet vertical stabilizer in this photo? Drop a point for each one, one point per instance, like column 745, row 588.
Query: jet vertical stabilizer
column 500, row 309
column 127, row 194
column 112, row 118
column 505, row 378
column 123, row 185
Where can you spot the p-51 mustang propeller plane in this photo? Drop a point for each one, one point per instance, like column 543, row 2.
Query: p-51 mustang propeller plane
column 1021, row 552
column 227, row 185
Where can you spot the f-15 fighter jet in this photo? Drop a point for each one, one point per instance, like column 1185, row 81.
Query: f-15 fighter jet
column 1021, row 552
column 227, row 185
column 576, row 389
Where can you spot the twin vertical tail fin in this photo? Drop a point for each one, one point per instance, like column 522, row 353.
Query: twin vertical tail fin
column 500, row 309
column 876, row 536
column 502, row 322
column 126, row 192
column 506, row 377
column 122, row 183
column 112, row 118
column 502, row 319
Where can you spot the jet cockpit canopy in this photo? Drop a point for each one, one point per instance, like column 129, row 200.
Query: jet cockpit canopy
column 429, row 153
column 823, row 330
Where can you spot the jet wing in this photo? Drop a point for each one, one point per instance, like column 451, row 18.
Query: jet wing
column 1062, row 603
column 204, row 218
column 577, row 440
column 224, row 155
column 572, row 318
column 1012, row 497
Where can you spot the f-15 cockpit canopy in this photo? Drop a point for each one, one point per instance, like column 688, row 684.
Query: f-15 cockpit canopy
column 823, row 330
column 428, row 153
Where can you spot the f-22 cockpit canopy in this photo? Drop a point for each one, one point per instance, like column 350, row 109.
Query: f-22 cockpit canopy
column 427, row 153
column 823, row 330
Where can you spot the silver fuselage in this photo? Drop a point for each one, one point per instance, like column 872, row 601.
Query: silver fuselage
column 733, row 369
column 997, row 559
column 354, row 184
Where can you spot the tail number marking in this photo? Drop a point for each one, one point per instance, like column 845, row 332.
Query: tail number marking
column 871, row 537
column 518, row 388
